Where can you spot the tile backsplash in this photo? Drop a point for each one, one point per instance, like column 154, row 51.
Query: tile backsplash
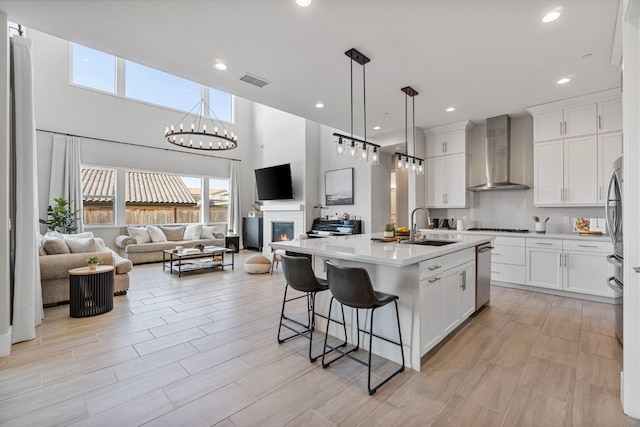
column 515, row 209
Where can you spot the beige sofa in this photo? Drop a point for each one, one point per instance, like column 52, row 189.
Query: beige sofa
column 140, row 253
column 54, row 273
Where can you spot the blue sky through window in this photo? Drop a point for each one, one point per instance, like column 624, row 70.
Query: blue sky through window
column 94, row 69
column 220, row 105
column 157, row 87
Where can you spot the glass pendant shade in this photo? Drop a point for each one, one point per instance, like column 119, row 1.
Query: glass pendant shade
column 364, row 153
column 375, row 156
column 407, row 163
column 399, row 163
column 353, row 150
column 340, row 148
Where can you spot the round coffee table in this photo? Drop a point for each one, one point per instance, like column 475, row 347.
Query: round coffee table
column 90, row 291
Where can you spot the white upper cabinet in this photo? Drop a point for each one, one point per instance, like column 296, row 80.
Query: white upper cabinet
column 452, row 142
column 610, row 116
column 580, row 120
column 575, row 144
column 609, row 149
column 548, row 126
column 446, row 165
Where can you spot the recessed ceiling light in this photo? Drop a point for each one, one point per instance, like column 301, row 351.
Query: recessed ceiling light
column 551, row 16
column 303, row 3
column 319, row 105
column 220, row 66
column 450, row 109
column 376, row 128
column 563, row 80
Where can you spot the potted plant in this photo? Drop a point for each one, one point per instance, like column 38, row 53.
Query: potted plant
column 389, row 230
column 93, row 262
column 60, row 218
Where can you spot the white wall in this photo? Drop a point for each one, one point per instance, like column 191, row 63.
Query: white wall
column 65, row 108
column 5, row 328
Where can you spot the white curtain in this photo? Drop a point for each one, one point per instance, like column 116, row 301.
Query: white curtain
column 233, row 213
column 27, row 293
column 66, row 175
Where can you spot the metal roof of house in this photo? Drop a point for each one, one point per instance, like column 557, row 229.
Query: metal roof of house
column 140, row 187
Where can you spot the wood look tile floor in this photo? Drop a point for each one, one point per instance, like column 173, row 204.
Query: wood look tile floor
column 202, row 350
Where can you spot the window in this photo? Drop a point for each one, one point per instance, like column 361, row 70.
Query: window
column 162, row 198
column 221, row 105
column 160, row 88
column 218, row 199
column 98, row 70
column 94, row 69
column 98, row 191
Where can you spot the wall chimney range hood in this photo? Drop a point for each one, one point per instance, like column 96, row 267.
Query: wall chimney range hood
column 498, row 147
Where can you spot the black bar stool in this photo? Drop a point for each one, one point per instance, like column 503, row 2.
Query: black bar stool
column 299, row 275
column 352, row 287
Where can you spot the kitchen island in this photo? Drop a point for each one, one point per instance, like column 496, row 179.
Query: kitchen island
column 435, row 286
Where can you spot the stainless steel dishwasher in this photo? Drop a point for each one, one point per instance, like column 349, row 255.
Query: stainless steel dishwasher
column 483, row 274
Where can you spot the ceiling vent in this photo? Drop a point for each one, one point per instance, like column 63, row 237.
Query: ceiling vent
column 254, row 80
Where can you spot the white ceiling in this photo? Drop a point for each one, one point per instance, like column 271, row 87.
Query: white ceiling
column 485, row 57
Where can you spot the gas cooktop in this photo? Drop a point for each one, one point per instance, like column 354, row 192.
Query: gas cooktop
column 501, row 230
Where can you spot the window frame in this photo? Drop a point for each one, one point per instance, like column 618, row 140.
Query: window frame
column 120, row 85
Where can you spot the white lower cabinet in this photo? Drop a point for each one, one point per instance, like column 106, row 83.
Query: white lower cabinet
column 570, row 265
column 508, row 260
column 447, row 296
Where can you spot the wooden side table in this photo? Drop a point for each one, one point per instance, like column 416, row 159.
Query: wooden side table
column 90, row 291
column 232, row 242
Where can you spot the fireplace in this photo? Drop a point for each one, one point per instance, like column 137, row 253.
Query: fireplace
column 281, row 231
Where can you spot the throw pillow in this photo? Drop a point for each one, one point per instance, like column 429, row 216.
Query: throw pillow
column 88, row 244
column 173, row 234
column 207, row 232
column 54, row 246
column 218, row 236
column 140, row 234
column 156, row 234
column 193, row 232
column 82, row 235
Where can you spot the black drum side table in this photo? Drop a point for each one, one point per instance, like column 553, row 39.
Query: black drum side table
column 232, row 242
column 90, row 291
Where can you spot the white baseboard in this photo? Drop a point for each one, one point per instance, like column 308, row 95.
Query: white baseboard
column 5, row 343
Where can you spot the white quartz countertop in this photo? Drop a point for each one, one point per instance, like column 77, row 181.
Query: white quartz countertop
column 529, row 235
column 361, row 248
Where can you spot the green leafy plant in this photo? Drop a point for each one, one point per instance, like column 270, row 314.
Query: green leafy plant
column 60, row 218
column 389, row 227
column 94, row 260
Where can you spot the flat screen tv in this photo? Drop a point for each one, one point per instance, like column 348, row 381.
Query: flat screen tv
column 274, row 183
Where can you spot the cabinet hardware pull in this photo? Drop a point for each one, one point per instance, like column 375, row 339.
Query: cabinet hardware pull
column 560, row 261
column 599, row 121
column 636, row 269
column 565, row 127
column 443, row 150
column 495, row 272
column 434, row 267
column 566, row 260
column 560, row 128
column 542, row 243
column 587, row 246
column 561, row 194
column 463, row 275
column 435, row 279
column 497, row 253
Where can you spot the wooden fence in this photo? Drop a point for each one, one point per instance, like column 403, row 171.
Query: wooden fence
column 153, row 215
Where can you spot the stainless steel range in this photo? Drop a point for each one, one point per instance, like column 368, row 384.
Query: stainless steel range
column 500, row 230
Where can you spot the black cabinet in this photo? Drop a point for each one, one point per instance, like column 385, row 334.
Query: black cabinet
column 252, row 233
column 232, row 242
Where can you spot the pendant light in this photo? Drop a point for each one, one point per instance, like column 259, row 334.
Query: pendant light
column 355, row 148
column 404, row 161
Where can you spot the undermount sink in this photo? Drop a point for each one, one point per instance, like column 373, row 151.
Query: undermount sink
column 430, row 242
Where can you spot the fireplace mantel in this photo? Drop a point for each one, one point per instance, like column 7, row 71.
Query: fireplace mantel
column 282, row 207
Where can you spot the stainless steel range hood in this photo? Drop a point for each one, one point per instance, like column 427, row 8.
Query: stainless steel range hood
column 498, row 152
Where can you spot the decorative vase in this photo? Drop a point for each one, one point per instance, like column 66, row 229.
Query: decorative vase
column 389, row 234
column 92, row 267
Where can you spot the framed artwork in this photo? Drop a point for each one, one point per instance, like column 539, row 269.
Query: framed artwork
column 338, row 187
